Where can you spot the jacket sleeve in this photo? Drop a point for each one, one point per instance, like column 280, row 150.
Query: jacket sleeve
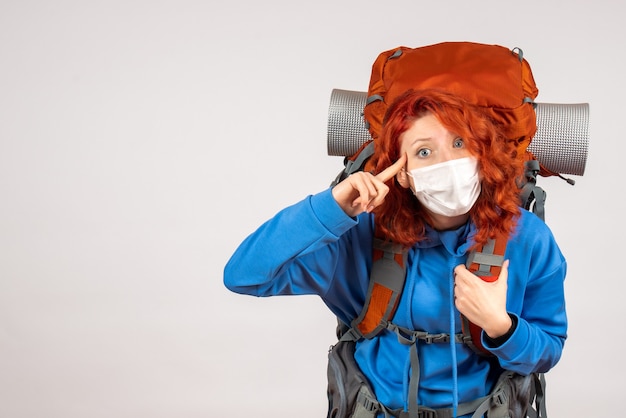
column 536, row 298
column 292, row 253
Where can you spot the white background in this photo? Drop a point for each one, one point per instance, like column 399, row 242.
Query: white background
column 141, row 141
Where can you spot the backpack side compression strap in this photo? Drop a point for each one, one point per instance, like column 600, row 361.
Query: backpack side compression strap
column 386, row 283
column 485, row 262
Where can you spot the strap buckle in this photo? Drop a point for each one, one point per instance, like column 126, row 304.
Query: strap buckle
column 426, row 413
column 370, row 404
column 435, row 338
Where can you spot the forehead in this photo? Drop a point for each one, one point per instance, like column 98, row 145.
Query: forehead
column 427, row 128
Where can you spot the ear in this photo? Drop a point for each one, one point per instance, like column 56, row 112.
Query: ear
column 403, row 179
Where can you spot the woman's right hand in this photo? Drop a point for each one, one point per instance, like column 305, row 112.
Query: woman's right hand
column 362, row 191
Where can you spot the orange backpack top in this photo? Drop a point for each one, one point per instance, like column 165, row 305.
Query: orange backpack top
column 492, row 77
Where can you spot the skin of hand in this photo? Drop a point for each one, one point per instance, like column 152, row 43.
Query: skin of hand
column 362, row 191
column 482, row 302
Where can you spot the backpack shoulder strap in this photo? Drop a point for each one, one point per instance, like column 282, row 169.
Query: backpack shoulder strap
column 356, row 162
column 486, row 262
column 387, row 281
column 383, row 293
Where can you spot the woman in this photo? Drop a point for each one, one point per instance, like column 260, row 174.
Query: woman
column 441, row 181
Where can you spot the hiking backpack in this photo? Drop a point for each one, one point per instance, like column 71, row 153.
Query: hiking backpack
column 551, row 140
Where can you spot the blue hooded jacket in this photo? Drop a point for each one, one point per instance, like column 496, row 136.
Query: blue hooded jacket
column 313, row 247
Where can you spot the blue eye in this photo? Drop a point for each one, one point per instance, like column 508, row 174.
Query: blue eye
column 424, row 152
column 458, row 143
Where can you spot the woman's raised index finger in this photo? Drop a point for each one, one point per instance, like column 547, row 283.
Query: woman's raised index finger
column 392, row 170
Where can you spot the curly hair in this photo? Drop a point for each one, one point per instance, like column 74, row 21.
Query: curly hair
column 401, row 217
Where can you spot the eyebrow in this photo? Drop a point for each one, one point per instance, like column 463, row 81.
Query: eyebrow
column 416, row 140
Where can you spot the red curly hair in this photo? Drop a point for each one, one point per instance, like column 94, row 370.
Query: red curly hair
column 401, row 218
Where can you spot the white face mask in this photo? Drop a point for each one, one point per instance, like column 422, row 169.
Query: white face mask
column 450, row 188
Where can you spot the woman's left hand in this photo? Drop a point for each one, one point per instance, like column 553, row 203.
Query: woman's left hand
column 482, row 302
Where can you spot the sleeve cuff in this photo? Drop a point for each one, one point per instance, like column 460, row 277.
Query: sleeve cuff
column 330, row 214
column 497, row 342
